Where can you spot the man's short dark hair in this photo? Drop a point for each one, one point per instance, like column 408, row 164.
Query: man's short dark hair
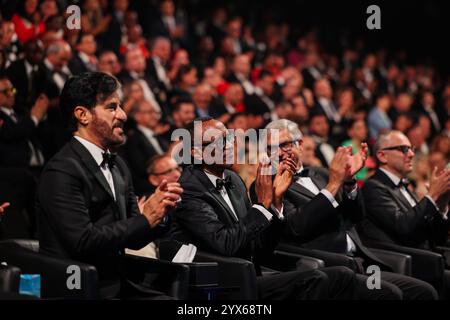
column 87, row 90
column 151, row 164
column 180, row 101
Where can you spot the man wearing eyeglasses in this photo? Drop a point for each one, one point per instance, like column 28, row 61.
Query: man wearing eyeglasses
column 216, row 215
column 322, row 208
column 394, row 213
column 162, row 167
column 18, row 146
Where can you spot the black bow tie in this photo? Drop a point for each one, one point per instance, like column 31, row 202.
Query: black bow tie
column 220, row 183
column 109, row 159
column 403, row 183
column 302, row 174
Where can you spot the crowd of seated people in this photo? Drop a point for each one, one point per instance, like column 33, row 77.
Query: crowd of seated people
column 375, row 112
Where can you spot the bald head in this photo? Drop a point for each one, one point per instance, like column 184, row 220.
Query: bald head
column 394, row 153
column 59, row 53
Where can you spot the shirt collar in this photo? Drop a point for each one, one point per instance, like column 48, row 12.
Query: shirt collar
column 28, row 68
column 95, row 151
column 7, row 111
column 213, row 178
column 395, row 180
column 48, row 64
column 146, row 131
column 84, row 57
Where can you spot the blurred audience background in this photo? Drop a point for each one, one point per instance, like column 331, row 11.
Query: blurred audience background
column 244, row 63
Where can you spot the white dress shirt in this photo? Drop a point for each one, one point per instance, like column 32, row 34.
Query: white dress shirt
column 396, row 181
column 330, row 109
column 226, row 197
column 246, row 84
column 409, row 198
column 96, row 153
column 57, row 78
column 307, row 183
column 150, row 135
column 161, row 72
column 148, row 93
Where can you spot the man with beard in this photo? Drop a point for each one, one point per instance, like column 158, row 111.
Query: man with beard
column 86, row 204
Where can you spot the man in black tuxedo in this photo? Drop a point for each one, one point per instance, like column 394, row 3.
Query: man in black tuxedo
column 84, row 60
column 142, row 144
column 261, row 102
column 135, row 67
column 86, row 204
column 53, row 133
column 216, row 215
column 240, row 73
column 27, row 75
column 319, row 129
column 18, row 144
column 322, row 207
column 394, row 213
column 158, row 63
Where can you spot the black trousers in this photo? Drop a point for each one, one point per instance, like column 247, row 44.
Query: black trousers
column 395, row 287
column 125, row 289
column 337, row 283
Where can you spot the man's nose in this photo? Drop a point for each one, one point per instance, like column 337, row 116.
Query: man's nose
column 120, row 114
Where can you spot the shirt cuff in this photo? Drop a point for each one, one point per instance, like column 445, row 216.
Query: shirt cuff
column 330, row 197
column 443, row 213
column 264, row 211
column 352, row 194
column 278, row 213
column 35, row 120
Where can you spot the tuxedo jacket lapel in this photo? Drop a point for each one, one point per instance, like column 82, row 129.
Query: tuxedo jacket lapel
column 119, row 186
column 317, row 179
column 398, row 196
column 90, row 163
column 237, row 201
column 214, row 193
column 302, row 190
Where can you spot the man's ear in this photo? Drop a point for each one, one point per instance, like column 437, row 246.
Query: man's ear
column 153, row 180
column 381, row 157
column 83, row 115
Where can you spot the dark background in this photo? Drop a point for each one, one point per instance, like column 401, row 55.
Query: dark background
column 421, row 28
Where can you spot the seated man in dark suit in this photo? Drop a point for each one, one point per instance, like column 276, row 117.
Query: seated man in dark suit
column 143, row 143
column 216, row 215
column 85, row 59
column 322, row 206
column 18, row 144
column 27, row 75
column 86, row 204
column 394, row 214
column 162, row 167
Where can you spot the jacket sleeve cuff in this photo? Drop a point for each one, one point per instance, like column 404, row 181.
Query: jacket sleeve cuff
column 330, row 197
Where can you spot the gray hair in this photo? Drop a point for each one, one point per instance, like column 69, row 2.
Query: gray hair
column 290, row 126
column 57, row 47
column 382, row 139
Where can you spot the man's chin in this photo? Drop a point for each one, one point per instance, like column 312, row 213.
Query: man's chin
column 117, row 141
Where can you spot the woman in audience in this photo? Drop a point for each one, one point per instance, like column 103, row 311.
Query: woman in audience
column 93, row 21
column 357, row 131
column 27, row 21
